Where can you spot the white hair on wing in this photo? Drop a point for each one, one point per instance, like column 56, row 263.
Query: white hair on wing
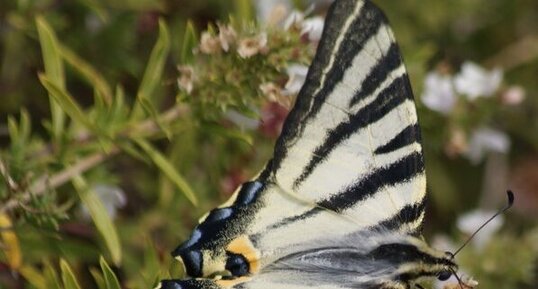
column 342, row 261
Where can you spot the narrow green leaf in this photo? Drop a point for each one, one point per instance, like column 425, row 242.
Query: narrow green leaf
column 100, row 217
column 152, row 265
column 68, row 278
column 25, row 125
column 98, row 277
column 118, row 109
column 88, row 72
column 13, row 128
column 189, row 43
column 133, row 151
column 34, row 277
column 111, row 280
column 168, row 169
column 52, row 279
column 54, row 70
column 154, row 70
column 98, row 8
column 148, row 106
column 65, row 101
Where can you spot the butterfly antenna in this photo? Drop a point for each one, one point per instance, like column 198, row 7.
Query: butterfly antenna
column 459, row 279
column 510, row 203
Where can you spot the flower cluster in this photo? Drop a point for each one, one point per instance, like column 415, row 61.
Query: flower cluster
column 456, row 97
column 274, row 55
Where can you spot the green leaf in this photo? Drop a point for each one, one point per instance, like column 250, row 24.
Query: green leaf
column 189, row 43
column 111, row 280
column 148, row 106
column 88, row 72
column 13, row 128
column 168, row 169
column 98, row 8
column 154, row 70
column 53, row 282
column 100, row 217
column 98, row 277
column 152, row 266
column 68, row 278
column 34, row 277
column 65, row 101
column 54, row 70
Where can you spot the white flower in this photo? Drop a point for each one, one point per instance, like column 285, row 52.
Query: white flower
column 486, row 140
column 293, row 20
column 313, row 27
column 251, row 46
column 274, row 93
column 438, row 94
column 297, row 76
column 514, row 95
column 475, row 81
column 227, row 36
column 185, row 81
column 112, row 198
column 209, row 44
column 471, row 221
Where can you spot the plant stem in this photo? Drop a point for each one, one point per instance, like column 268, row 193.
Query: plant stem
column 45, row 183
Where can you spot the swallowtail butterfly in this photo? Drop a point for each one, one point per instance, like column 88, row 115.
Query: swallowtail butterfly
column 341, row 203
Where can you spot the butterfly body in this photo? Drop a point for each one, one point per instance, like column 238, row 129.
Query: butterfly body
column 341, row 203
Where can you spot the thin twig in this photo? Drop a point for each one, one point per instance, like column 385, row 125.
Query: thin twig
column 12, row 185
column 45, row 183
column 151, row 126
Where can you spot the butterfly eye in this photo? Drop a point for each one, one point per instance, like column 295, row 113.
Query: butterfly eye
column 237, row 265
column 444, row 275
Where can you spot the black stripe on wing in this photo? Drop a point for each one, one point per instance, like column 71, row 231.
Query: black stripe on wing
column 308, row 105
column 379, row 73
column 392, row 96
column 406, row 137
column 400, row 171
column 407, row 215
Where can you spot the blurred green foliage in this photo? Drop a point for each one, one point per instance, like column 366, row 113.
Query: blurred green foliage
column 89, row 97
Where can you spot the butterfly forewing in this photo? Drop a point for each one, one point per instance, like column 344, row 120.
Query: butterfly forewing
column 347, row 172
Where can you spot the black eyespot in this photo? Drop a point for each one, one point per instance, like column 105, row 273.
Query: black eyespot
column 237, row 265
column 444, row 275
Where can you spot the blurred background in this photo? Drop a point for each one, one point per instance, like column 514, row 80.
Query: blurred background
column 122, row 122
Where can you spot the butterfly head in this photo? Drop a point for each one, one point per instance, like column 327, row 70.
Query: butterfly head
column 414, row 259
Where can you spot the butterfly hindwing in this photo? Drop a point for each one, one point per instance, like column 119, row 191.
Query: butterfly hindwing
column 348, row 162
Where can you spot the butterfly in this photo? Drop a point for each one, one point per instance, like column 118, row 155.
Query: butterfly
column 342, row 201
